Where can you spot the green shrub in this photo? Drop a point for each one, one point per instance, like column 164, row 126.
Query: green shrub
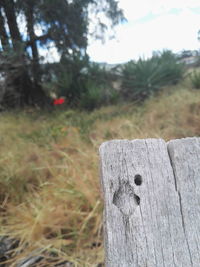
column 144, row 77
column 195, row 79
column 97, row 95
column 85, row 85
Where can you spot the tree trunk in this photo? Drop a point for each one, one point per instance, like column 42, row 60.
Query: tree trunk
column 36, row 71
column 3, row 33
column 9, row 8
column 30, row 93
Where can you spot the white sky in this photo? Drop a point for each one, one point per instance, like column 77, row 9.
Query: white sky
column 152, row 25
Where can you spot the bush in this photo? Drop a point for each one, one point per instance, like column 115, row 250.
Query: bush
column 142, row 78
column 195, row 79
column 71, row 79
column 97, row 95
column 85, row 85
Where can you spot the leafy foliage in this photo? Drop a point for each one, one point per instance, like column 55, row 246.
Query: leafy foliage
column 96, row 96
column 195, row 79
column 98, row 88
column 65, row 29
column 144, row 77
column 85, row 85
column 70, row 80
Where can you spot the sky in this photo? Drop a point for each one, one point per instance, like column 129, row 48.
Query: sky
column 153, row 25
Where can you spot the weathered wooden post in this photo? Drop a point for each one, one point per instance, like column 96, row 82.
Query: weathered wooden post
column 152, row 202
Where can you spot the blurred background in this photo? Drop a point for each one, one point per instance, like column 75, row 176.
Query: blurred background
column 73, row 74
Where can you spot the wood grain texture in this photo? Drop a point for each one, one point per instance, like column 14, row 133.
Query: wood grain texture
column 185, row 158
column 145, row 224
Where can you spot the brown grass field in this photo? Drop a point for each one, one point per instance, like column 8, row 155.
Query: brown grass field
column 50, row 199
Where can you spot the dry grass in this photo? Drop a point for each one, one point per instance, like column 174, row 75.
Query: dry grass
column 50, row 198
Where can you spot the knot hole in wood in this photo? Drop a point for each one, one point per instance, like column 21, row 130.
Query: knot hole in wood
column 138, row 179
column 125, row 199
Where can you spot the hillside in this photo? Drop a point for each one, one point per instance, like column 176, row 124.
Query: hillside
column 50, row 200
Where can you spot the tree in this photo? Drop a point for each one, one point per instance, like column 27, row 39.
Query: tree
column 3, row 33
column 29, row 8
column 17, row 71
column 60, row 23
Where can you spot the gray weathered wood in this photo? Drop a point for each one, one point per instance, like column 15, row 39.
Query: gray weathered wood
column 185, row 158
column 152, row 202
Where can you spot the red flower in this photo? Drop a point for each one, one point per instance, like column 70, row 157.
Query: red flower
column 58, row 101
